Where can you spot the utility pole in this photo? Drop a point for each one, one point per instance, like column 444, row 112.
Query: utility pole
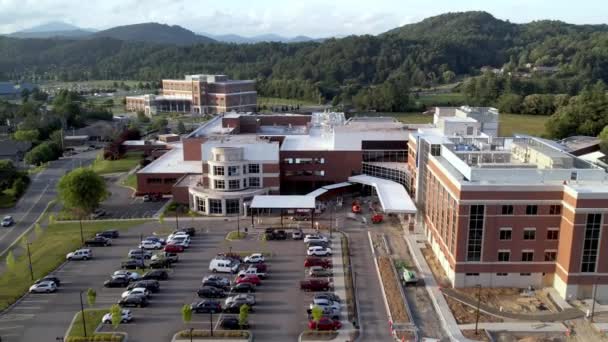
column 84, row 324
column 477, row 312
column 211, row 322
column 29, row 256
column 81, row 232
column 176, row 220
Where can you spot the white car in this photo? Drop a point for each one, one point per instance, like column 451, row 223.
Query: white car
column 80, row 254
column 254, row 258
column 251, row 271
column 125, row 315
column 7, row 221
column 181, row 241
column 43, row 287
column 178, row 234
column 138, row 291
column 314, row 237
column 323, row 302
column 318, row 251
column 149, row 244
column 128, row 274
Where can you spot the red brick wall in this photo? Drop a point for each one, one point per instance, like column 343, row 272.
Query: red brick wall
column 271, row 181
column 181, row 195
column 193, row 148
column 271, row 168
column 144, row 186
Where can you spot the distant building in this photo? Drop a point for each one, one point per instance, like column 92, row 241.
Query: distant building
column 546, row 69
column 199, row 94
column 467, row 121
column 14, row 150
column 12, row 90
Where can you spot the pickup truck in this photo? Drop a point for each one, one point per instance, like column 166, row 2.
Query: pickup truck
column 252, row 271
column 315, row 285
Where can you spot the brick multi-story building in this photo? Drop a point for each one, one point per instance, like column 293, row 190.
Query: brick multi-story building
column 200, row 94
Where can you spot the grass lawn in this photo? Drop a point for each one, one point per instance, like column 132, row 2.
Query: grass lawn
column 125, row 164
column 7, row 200
column 275, row 101
column 92, row 318
column 234, row 235
column 520, row 123
column 130, row 181
column 48, row 251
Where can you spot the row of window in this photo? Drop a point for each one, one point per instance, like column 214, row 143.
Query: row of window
column 532, row 209
column 235, row 184
column 527, row 256
column 498, row 274
column 505, row 234
column 303, row 160
column 215, row 206
column 304, row 173
column 235, row 170
column 161, row 180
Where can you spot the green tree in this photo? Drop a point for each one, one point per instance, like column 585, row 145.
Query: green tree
column 316, row 313
column 8, row 173
column 161, row 218
column 91, row 297
column 30, row 135
column 116, row 313
column 604, row 140
column 509, row 103
column 142, row 117
column 181, row 128
column 159, row 124
column 82, row 189
column 37, row 230
column 11, row 264
column 186, row 313
column 448, row 76
column 43, row 153
column 244, row 315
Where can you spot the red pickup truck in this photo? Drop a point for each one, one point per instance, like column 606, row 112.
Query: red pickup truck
column 315, row 285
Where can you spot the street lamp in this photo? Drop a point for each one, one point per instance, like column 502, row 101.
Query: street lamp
column 211, row 322
column 29, row 256
column 84, row 324
column 176, row 219
column 478, row 302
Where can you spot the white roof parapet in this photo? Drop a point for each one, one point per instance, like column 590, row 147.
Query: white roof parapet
column 283, row 202
column 392, row 195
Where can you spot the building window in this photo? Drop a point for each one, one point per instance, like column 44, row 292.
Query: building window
column 475, row 236
column 233, row 170
column 502, row 274
column 287, row 160
column 320, row 160
column 201, row 204
column 435, row 150
column 232, row 206
column 215, row 206
column 218, row 184
column 527, row 256
column 472, row 274
column 531, row 209
column 550, row 255
column 254, row 182
column 529, row 233
column 504, row 234
column 254, row 168
column 573, row 175
column 244, row 182
column 319, row 173
column 504, row 256
column 552, row 233
column 244, row 169
column 507, row 209
column 555, row 209
column 591, row 243
column 525, row 274
column 218, row 170
column 234, row 184
column 154, row 180
column 303, row 160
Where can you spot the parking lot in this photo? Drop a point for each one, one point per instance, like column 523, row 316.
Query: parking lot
column 121, row 204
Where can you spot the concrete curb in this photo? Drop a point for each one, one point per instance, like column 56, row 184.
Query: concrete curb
column 175, row 337
column 388, row 310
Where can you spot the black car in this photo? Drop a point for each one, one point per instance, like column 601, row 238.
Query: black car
column 235, row 307
column 150, row 285
column 110, row 234
column 216, row 283
column 191, row 231
column 211, row 292
column 156, row 275
column 280, row 235
column 160, row 263
column 49, row 278
column 135, row 301
column 232, row 323
column 207, row 306
column 243, row 288
column 319, row 243
column 133, row 264
column 98, row 241
column 116, row 282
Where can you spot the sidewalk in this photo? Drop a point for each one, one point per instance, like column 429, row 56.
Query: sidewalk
column 517, row 327
column 340, row 287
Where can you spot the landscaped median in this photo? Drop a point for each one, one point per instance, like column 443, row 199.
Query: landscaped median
column 234, row 235
column 124, row 164
column 312, row 335
column 93, row 320
column 48, row 251
column 199, row 335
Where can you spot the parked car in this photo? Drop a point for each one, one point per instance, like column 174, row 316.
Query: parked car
column 211, row 292
column 315, row 284
column 232, row 323
column 138, row 291
column 80, row 254
column 243, row 288
column 207, row 306
column 318, row 251
column 328, row 312
column 149, row 244
column 176, row 234
column 297, row 234
column 7, row 221
column 49, row 278
column 322, row 302
column 216, row 281
column 44, row 287
column 243, row 298
column 156, row 275
column 121, row 281
column 254, row 258
column 313, row 261
column 98, row 241
column 318, row 243
column 180, row 241
column 125, row 317
column 318, row 271
column 324, row 323
column 133, row 264
column 301, row 216
column 280, row 235
column 130, row 275
column 150, row 285
column 252, row 271
column 98, row 213
column 160, row 263
column 314, row 237
column 139, row 253
column 329, row 296
column 135, row 301
column 172, row 257
column 232, row 256
column 223, row 265
column 261, row 267
column 174, row 248
column 110, row 234
column 235, row 307
column 155, row 239
column 191, row 231
column 248, row 278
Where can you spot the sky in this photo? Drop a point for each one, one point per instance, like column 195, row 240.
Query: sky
column 314, row 18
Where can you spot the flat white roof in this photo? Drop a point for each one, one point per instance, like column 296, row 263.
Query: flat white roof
column 143, row 142
column 283, row 202
column 173, row 162
column 392, row 195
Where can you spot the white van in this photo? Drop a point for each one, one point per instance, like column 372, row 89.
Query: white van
column 223, row 265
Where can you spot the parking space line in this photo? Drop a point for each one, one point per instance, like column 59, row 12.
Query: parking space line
column 12, row 327
column 15, row 317
column 27, row 307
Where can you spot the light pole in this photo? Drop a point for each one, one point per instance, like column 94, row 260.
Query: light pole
column 191, row 329
column 593, row 303
column 81, row 233
column 211, row 322
column 84, row 324
column 176, row 220
column 477, row 312
column 29, row 256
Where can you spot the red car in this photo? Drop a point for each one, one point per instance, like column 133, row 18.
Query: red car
column 248, row 278
column 325, row 323
column 315, row 285
column 313, row 261
column 174, row 249
column 261, row 267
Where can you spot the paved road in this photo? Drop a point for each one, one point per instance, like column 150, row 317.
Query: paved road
column 121, row 203
column 42, row 189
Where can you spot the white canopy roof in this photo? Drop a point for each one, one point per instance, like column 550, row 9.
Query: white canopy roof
column 283, row 202
column 392, row 195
